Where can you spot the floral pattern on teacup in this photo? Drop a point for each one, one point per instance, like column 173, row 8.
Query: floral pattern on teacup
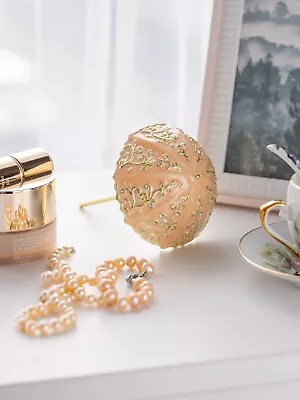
column 297, row 228
column 281, row 259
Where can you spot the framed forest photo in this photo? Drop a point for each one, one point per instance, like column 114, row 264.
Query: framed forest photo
column 252, row 97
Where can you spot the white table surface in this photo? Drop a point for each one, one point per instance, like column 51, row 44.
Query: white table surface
column 217, row 325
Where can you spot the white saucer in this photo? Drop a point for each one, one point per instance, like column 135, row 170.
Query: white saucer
column 266, row 254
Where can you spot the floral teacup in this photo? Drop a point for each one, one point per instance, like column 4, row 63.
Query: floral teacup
column 290, row 212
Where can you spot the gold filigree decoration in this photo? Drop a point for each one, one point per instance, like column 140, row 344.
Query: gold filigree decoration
column 196, row 146
column 164, row 160
column 212, row 194
column 180, row 148
column 130, row 198
column 19, row 221
column 132, row 154
column 198, row 211
column 193, row 229
column 211, row 171
column 178, row 208
column 162, row 133
column 162, row 226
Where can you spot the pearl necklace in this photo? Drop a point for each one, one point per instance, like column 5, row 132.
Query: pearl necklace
column 66, row 288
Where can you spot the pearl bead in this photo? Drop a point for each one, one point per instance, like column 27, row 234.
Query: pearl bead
column 52, row 263
column 93, row 281
column 66, row 321
column 102, row 267
column 21, row 321
column 70, row 311
column 69, row 250
column 62, row 264
column 122, row 304
column 131, row 262
column 43, row 296
column 148, row 268
column 56, row 275
column 62, row 305
column 150, row 293
column 101, row 271
column 73, row 297
column 21, row 318
column 113, row 276
column 144, row 298
column 45, row 328
column 109, row 264
column 140, row 263
column 53, row 258
column 134, row 300
column 79, row 293
column 104, row 275
column 48, row 330
column 65, row 269
column 54, row 300
column 73, row 320
column 90, row 299
column 52, row 291
column 69, row 276
column 73, row 284
column 82, row 279
column 100, row 302
column 47, row 277
column 119, row 263
column 37, row 332
column 33, row 311
column 145, row 285
column 105, row 284
column 57, row 328
column 60, row 290
column 29, row 326
column 110, row 297
column 68, row 299
column 54, row 324
column 43, row 310
column 24, row 313
column 136, row 283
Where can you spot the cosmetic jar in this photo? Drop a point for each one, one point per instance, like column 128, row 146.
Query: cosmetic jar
column 27, row 207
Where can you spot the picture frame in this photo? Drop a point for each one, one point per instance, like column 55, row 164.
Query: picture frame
column 217, row 104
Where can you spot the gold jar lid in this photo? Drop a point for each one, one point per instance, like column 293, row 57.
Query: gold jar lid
column 28, row 208
column 27, row 191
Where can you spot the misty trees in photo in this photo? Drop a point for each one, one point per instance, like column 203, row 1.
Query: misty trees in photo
column 264, row 110
column 281, row 10
column 280, row 13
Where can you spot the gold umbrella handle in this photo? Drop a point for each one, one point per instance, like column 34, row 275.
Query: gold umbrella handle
column 97, row 201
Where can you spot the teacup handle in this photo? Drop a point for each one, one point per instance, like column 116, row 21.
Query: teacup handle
column 264, row 212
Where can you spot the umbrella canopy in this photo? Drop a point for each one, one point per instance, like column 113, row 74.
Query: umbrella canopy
column 165, row 184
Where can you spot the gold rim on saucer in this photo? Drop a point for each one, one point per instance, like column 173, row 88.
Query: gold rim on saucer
column 268, row 270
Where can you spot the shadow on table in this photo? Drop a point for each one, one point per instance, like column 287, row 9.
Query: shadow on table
column 200, row 257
